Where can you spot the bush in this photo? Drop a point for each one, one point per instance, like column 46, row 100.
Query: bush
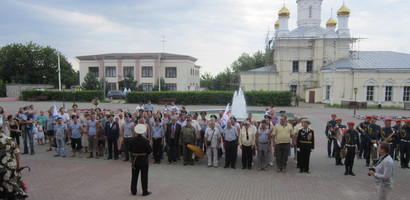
column 254, row 98
column 55, row 95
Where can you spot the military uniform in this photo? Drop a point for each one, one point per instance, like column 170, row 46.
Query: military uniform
column 140, row 149
column 372, row 138
column 396, row 142
column 305, row 143
column 330, row 137
column 188, row 136
column 404, row 146
column 350, row 141
column 388, row 134
column 362, row 129
column 9, row 186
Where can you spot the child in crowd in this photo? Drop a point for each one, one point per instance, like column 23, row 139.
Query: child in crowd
column 101, row 140
column 40, row 132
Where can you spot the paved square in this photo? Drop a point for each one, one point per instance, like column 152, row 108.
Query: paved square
column 88, row 179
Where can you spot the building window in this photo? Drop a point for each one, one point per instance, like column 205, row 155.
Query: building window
column 170, row 72
column 110, row 72
column 310, row 12
column 95, row 71
column 327, row 92
column 147, row 86
column 111, row 86
column 388, row 94
column 370, row 93
column 171, row 86
column 406, row 93
column 147, row 72
column 309, row 66
column 128, row 70
column 293, row 89
column 295, row 66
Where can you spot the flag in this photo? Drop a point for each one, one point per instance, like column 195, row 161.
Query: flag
column 125, row 90
column 55, row 113
column 129, row 90
column 225, row 116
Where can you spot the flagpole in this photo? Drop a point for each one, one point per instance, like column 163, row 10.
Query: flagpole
column 59, row 72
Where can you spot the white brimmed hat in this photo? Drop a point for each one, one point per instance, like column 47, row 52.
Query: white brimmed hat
column 140, row 128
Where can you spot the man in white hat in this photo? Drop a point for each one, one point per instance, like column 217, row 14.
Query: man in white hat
column 140, row 149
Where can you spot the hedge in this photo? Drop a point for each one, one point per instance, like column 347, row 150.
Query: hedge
column 55, row 95
column 254, row 98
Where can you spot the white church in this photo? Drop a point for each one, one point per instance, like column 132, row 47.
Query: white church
column 318, row 64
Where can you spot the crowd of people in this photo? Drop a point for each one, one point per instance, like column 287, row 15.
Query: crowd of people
column 108, row 134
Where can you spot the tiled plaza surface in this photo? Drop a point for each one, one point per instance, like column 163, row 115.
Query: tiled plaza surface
column 82, row 178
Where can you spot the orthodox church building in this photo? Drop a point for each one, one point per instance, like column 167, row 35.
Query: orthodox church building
column 318, row 64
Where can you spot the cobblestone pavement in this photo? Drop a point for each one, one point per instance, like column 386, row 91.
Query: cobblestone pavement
column 82, row 178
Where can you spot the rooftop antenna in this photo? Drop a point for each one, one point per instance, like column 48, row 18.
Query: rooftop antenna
column 163, row 44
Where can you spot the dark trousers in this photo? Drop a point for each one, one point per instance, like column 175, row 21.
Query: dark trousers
column 28, row 138
column 187, row 154
column 336, row 151
column 392, row 148
column 304, row 159
column 329, row 147
column 362, row 145
column 351, row 153
column 111, row 143
column 76, row 144
column 246, row 156
column 282, row 153
column 157, row 149
column 144, row 178
column 127, row 144
column 231, row 152
column 404, row 154
column 366, row 151
column 172, row 151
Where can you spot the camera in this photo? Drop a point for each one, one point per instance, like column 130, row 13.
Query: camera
column 371, row 169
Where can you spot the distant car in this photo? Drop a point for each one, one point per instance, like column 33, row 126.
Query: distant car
column 115, row 94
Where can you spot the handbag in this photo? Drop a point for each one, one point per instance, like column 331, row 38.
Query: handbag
column 209, row 142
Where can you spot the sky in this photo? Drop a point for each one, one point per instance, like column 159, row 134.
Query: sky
column 216, row 32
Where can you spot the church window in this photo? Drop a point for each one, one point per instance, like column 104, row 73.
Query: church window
column 370, row 93
column 406, row 93
column 327, row 92
column 309, row 66
column 295, row 66
column 293, row 89
column 388, row 93
column 310, row 11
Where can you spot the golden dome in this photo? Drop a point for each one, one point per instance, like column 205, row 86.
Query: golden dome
column 343, row 11
column 277, row 23
column 331, row 22
column 284, row 12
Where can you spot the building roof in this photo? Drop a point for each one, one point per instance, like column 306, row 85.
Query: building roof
column 372, row 60
column 113, row 56
column 269, row 68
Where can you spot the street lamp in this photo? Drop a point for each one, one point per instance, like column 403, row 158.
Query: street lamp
column 45, row 81
column 355, row 93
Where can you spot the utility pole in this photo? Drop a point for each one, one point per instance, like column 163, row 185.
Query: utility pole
column 59, row 72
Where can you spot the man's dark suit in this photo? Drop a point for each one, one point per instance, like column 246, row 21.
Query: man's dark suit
column 112, row 132
column 172, row 142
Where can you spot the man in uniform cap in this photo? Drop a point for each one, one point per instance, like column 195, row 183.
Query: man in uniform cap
column 188, row 136
column 396, row 142
column 372, row 139
column 330, row 137
column 362, row 129
column 349, row 141
column 140, row 149
column 404, row 136
column 388, row 135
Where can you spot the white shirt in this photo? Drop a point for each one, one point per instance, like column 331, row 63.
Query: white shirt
column 215, row 138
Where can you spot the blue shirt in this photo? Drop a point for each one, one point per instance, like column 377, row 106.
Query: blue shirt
column 230, row 134
column 157, row 132
column 59, row 130
column 263, row 135
column 92, row 127
column 75, row 130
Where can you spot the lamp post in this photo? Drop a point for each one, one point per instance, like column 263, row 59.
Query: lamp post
column 45, row 81
column 355, row 93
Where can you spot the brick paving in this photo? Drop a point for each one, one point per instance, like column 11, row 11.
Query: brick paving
column 82, row 178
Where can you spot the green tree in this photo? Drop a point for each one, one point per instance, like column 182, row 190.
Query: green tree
column 246, row 62
column 28, row 63
column 207, row 81
column 129, row 82
column 90, row 82
column 2, row 89
column 156, row 86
